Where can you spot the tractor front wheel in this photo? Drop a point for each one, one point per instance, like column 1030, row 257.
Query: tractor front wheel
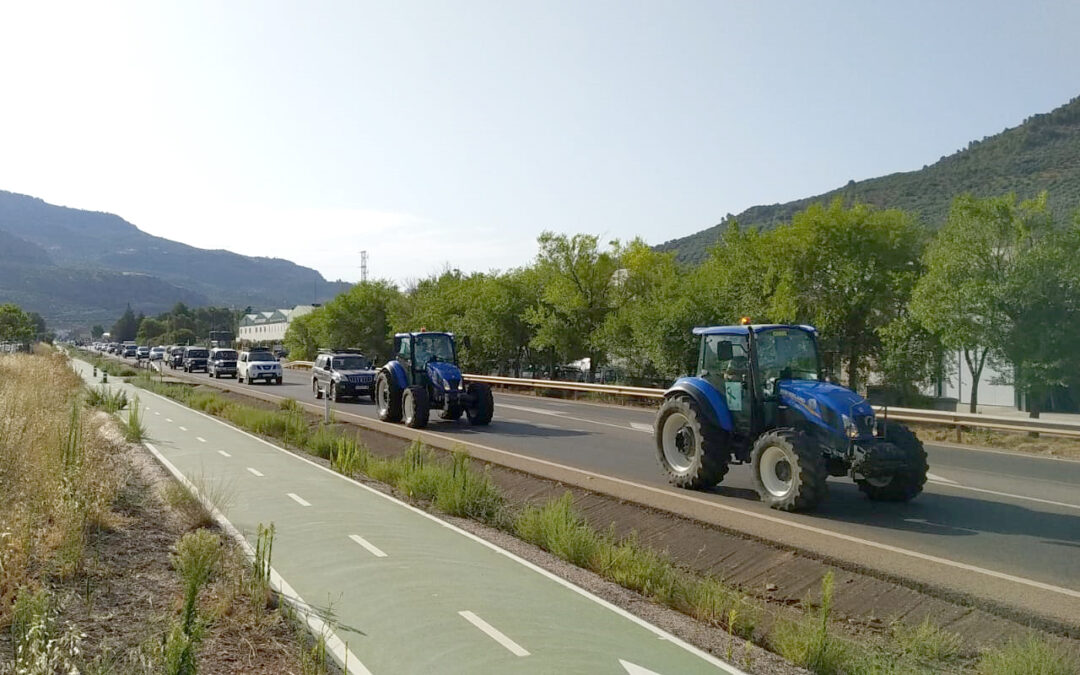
column 387, row 398
column 691, row 451
column 481, row 404
column 415, row 407
column 903, row 485
column 789, row 470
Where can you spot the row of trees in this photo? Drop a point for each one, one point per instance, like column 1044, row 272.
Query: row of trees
column 181, row 325
column 999, row 280
column 23, row 327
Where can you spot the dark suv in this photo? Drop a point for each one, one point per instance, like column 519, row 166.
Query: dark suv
column 195, row 359
column 221, row 362
column 176, row 358
column 343, row 373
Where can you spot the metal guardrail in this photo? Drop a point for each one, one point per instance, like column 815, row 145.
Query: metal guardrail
column 952, row 419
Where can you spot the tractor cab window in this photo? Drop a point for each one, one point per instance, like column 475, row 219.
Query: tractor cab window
column 403, row 348
column 725, row 364
column 787, row 354
column 433, row 347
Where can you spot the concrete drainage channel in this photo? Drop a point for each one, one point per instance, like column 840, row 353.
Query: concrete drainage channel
column 870, row 590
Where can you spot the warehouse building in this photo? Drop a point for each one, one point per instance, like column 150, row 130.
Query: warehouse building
column 270, row 326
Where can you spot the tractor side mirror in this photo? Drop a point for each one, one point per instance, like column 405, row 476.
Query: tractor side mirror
column 724, row 351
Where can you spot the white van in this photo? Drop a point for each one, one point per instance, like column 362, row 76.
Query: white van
column 258, row 364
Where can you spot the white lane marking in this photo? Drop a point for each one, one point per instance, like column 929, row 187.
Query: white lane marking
column 494, row 634
column 511, row 420
column 183, row 428
column 939, row 479
column 1005, row 494
column 312, row 617
column 223, row 453
column 372, row 549
column 255, row 472
column 156, row 412
column 563, row 416
column 641, row 426
column 168, row 420
column 298, row 499
column 635, row 669
column 200, row 439
column 615, row 609
column 523, row 408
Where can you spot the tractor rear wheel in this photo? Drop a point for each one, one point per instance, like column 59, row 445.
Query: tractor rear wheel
column 789, row 470
column 415, row 407
column 387, row 398
column 692, row 452
column 904, row 485
column 481, row 406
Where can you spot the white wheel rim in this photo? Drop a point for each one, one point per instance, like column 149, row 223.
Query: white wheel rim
column 774, row 463
column 409, row 406
column 675, row 456
column 879, row 482
column 381, row 391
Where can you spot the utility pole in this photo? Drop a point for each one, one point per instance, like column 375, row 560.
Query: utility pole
column 363, row 267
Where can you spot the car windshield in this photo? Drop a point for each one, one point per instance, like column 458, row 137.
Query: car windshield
column 787, row 353
column 350, row 363
column 198, row 353
column 261, row 356
column 431, row 346
column 228, row 355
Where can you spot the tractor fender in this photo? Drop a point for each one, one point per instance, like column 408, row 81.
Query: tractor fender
column 397, row 371
column 709, row 400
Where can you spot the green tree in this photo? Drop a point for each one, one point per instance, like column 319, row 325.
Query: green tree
column 963, row 296
column 15, row 324
column 361, row 317
column 126, row 327
column 578, row 282
column 96, row 331
column 151, row 330
column 305, row 336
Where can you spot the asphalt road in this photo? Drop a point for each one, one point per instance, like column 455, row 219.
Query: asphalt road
column 1013, row 513
column 397, row 578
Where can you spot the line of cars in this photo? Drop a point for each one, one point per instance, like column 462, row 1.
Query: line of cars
column 251, row 365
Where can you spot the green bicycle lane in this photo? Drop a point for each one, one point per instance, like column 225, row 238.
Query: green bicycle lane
column 409, row 593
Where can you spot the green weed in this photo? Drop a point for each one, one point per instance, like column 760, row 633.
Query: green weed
column 1028, row 656
column 558, row 528
column 135, row 430
column 350, row 457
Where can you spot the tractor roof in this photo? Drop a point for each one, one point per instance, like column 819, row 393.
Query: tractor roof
column 743, row 330
column 422, row 332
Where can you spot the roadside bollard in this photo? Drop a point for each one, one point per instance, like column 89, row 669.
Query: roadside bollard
column 326, row 409
column 104, row 377
column 95, row 371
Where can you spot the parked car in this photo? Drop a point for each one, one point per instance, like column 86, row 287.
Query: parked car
column 343, row 373
column 258, row 364
column 222, row 361
column 195, row 358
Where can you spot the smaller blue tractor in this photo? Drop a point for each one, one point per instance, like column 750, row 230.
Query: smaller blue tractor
column 761, row 398
column 424, row 376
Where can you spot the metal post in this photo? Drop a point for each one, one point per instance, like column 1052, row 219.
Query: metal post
column 326, row 408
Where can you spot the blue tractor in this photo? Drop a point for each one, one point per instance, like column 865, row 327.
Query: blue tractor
column 424, row 376
column 761, row 398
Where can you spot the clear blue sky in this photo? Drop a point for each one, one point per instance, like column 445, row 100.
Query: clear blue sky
column 434, row 133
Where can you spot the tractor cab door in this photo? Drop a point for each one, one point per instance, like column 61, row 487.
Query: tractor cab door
column 725, row 365
column 405, row 355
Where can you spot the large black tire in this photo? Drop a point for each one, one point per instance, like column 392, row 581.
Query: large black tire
column 905, row 485
column 789, row 470
column 451, row 413
column 483, row 404
column 387, row 398
column 415, row 407
column 316, row 389
column 691, row 451
column 277, row 381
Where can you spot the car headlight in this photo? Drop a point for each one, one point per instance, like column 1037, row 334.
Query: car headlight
column 850, row 429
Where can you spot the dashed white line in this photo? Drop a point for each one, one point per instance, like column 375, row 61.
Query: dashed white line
column 372, row 549
column 255, row 472
column 183, row 428
column 939, row 479
column 156, row 412
column 956, row 486
column 200, row 439
column 223, row 453
column 168, row 420
column 641, row 426
column 494, row 634
column 298, row 499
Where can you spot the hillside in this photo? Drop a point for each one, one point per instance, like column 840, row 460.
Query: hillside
column 1043, row 153
column 75, row 266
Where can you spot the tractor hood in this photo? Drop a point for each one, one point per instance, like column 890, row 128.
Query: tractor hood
column 444, row 375
column 826, row 404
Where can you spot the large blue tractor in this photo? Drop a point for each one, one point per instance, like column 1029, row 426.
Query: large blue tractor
column 424, row 376
column 761, row 397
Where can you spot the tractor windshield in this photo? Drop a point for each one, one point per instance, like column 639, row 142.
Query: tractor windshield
column 433, row 346
column 787, row 354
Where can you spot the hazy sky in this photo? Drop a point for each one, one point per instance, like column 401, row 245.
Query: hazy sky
column 439, row 132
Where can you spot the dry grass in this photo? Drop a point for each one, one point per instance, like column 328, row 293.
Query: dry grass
column 58, row 475
column 1054, row 446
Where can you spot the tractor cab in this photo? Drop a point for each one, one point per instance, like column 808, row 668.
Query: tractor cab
column 760, row 397
column 417, row 351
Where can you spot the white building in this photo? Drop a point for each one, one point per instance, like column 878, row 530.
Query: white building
column 270, row 326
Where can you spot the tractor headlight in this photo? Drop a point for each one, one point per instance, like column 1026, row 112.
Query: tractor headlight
column 850, row 429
